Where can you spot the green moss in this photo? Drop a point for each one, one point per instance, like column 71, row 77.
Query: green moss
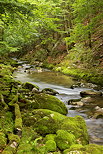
column 18, row 118
column 88, row 149
column 30, row 86
column 50, row 137
column 14, row 100
column 18, row 123
column 48, row 102
column 93, row 149
column 64, row 139
column 48, row 65
column 6, row 122
column 48, row 122
column 28, row 141
column 50, row 146
column 90, row 75
column 13, row 142
column 76, row 126
column 3, row 140
column 13, row 137
column 9, row 150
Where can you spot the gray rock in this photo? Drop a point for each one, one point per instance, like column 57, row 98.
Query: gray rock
column 91, row 93
column 49, row 91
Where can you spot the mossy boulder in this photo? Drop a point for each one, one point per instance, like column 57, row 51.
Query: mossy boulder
column 64, row 139
column 30, row 86
column 77, row 126
column 50, row 137
column 49, row 91
column 50, row 146
column 3, row 140
column 49, row 122
column 45, row 101
column 88, row 149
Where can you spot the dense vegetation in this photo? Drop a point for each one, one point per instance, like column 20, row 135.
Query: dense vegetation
column 74, row 26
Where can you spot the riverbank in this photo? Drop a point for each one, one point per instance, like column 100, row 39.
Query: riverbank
column 63, row 63
column 32, row 121
column 92, row 75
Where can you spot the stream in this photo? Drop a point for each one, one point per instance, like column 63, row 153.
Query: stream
column 45, row 78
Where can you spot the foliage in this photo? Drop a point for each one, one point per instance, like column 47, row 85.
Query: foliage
column 48, row 26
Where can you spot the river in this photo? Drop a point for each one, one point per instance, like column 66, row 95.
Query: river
column 45, row 78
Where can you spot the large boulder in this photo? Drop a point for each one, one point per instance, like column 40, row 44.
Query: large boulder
column 45, row 101
column 91, row 93
column 49, row 122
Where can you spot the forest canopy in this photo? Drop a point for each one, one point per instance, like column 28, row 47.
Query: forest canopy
column 28, row 23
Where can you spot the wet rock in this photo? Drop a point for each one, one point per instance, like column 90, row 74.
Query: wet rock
column 91, row 93
column 98, row 115
column 87, row 100
column 73, row 108
column 98, row 112
column 35, row 90
column 30, row 86
column 78, row 103
column 74, row 86
column 73, row 100
column 49, row 91
column 39, row 69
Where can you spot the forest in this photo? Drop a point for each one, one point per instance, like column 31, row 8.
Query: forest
column 66, row 37
column 55, row 29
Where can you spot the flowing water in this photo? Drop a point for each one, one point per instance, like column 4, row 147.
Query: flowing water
column 62, row 83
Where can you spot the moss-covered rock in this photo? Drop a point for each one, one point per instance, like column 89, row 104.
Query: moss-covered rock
column 30, row 86
column 44, row 101
column 3, row 140
column 50, row 137
column 49, row 91
column 18, row 118
column 64, row 139
column 88, row 149
column 76, row 126
column 49, row 122
column 50, row 145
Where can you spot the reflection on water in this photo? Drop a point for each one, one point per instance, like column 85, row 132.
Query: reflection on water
column 62, row 84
